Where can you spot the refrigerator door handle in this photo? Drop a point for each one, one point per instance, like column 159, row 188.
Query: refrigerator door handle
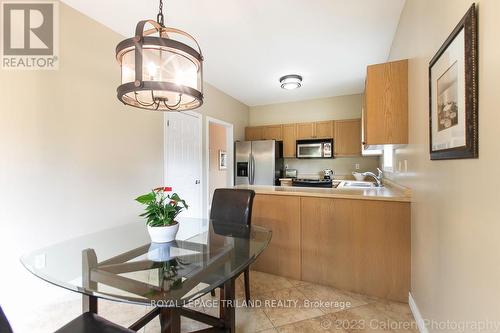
column 252, row 169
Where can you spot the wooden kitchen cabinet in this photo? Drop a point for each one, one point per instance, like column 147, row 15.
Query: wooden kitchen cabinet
column 280, row 214
column 289, row 140
column 305, row 131
column 385, row 112
column 272, row 132
column 357, row 245
column 347, row 137
column 254, row 133
column 324, row 129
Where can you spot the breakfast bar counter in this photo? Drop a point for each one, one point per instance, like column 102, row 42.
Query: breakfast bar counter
column 352, row 239
column 389, row 192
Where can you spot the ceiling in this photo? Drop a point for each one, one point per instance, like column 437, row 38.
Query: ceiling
column 249, row 45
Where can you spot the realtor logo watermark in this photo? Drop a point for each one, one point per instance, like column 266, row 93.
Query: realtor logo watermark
column 30, row 35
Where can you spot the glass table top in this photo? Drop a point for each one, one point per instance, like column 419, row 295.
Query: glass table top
column 121, row 264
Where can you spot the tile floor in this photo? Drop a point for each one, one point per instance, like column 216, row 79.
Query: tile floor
column 280, row 306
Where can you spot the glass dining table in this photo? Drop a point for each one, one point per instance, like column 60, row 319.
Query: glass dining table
column 121, row 264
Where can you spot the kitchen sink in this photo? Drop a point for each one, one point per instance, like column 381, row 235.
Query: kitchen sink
column 356, row 184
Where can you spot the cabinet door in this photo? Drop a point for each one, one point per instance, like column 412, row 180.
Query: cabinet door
column 347, row 137
column 289, row 140
column 253, row 133
column 272, row 132
column 387, row 103
column 324, row 130
column 305, row 131
column 357, row 245
column 280, row 214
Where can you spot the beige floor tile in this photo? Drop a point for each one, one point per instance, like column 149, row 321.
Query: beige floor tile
column 331, row 299
column 286, row 306
column 373, row 317
column 318, row 324
column 262, row 283
column 252, row 320
column 271, row 330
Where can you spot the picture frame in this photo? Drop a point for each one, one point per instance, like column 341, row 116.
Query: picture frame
column 222, row 159
column 453, row 93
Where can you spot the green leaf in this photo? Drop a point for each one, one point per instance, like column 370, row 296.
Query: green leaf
column 146, row 198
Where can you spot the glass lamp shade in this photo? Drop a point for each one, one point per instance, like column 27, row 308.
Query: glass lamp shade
column 158, row 72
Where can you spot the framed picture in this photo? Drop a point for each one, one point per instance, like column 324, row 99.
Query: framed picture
column 222, row 160
column 453, row 93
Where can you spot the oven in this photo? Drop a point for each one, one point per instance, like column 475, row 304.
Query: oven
column 315, row 148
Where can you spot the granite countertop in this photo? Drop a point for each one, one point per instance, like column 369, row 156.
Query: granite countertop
column 390, row 192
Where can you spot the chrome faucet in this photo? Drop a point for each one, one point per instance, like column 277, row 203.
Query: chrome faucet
column 378, row 178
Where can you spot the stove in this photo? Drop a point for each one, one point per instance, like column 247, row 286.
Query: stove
column 327, row 183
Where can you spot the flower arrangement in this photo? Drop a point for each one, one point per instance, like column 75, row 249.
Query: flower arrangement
column 161, row 208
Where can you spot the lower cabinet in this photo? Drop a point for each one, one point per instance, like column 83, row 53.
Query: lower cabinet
column 281, row 214
column 357, row 245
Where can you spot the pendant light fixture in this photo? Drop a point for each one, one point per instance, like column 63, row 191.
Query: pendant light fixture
column 158, row 71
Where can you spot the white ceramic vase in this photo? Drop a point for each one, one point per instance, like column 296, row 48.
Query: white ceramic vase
column 163, row 234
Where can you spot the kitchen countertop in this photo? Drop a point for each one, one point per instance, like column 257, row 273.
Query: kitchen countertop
column 390, row 192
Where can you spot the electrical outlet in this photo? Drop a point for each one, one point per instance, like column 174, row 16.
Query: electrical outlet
column 356, row 166
column 40, row 261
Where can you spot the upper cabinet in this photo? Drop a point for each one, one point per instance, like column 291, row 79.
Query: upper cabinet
column 385, row 104
column 254, row 133
column 324, row 129
column 273, row 132
column 289, row 140
column 347, row 137
column 305, row 131
column 315, row 130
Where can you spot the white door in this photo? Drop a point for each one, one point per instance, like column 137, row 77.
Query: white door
column 183, row 159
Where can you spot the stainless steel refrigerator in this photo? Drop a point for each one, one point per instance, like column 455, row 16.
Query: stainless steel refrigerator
column 258, row 162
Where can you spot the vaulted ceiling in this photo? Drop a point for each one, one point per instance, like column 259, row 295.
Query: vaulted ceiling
column 249, row 45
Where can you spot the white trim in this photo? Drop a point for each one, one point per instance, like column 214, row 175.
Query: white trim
column 200, row 142
column 416, row 314
column 230, row 151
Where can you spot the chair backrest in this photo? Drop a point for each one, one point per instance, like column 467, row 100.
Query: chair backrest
column 4, row 323
column 232, row 206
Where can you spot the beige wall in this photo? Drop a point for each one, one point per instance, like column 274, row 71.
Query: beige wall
column 455, row 219
column 72, row 157
column 339, row 107
column 217, row 142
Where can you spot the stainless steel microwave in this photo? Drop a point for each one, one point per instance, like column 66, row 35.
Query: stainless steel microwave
column 315, row 148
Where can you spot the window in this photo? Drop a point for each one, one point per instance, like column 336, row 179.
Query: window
column 388, row 158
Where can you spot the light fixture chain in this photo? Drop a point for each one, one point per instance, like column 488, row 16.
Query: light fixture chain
column 159, row 17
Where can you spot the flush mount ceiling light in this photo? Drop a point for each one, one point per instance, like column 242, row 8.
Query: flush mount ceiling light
column 292, row 81
column 159, row 72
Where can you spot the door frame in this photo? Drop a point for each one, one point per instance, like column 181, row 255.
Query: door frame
column 200, row 142
column 230, row 152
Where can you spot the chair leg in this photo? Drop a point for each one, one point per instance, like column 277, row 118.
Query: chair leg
column 246, row 276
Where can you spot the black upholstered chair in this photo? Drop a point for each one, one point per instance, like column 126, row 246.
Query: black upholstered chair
column 86, row 323
column 4, row 323
column 233, row 206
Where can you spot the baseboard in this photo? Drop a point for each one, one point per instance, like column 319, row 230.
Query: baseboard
column 416, row 314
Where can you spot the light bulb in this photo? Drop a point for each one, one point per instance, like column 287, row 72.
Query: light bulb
column 152, row 70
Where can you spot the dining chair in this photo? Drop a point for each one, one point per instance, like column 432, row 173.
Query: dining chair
column 85, row 323
column 233, row 206
column 4, row 323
